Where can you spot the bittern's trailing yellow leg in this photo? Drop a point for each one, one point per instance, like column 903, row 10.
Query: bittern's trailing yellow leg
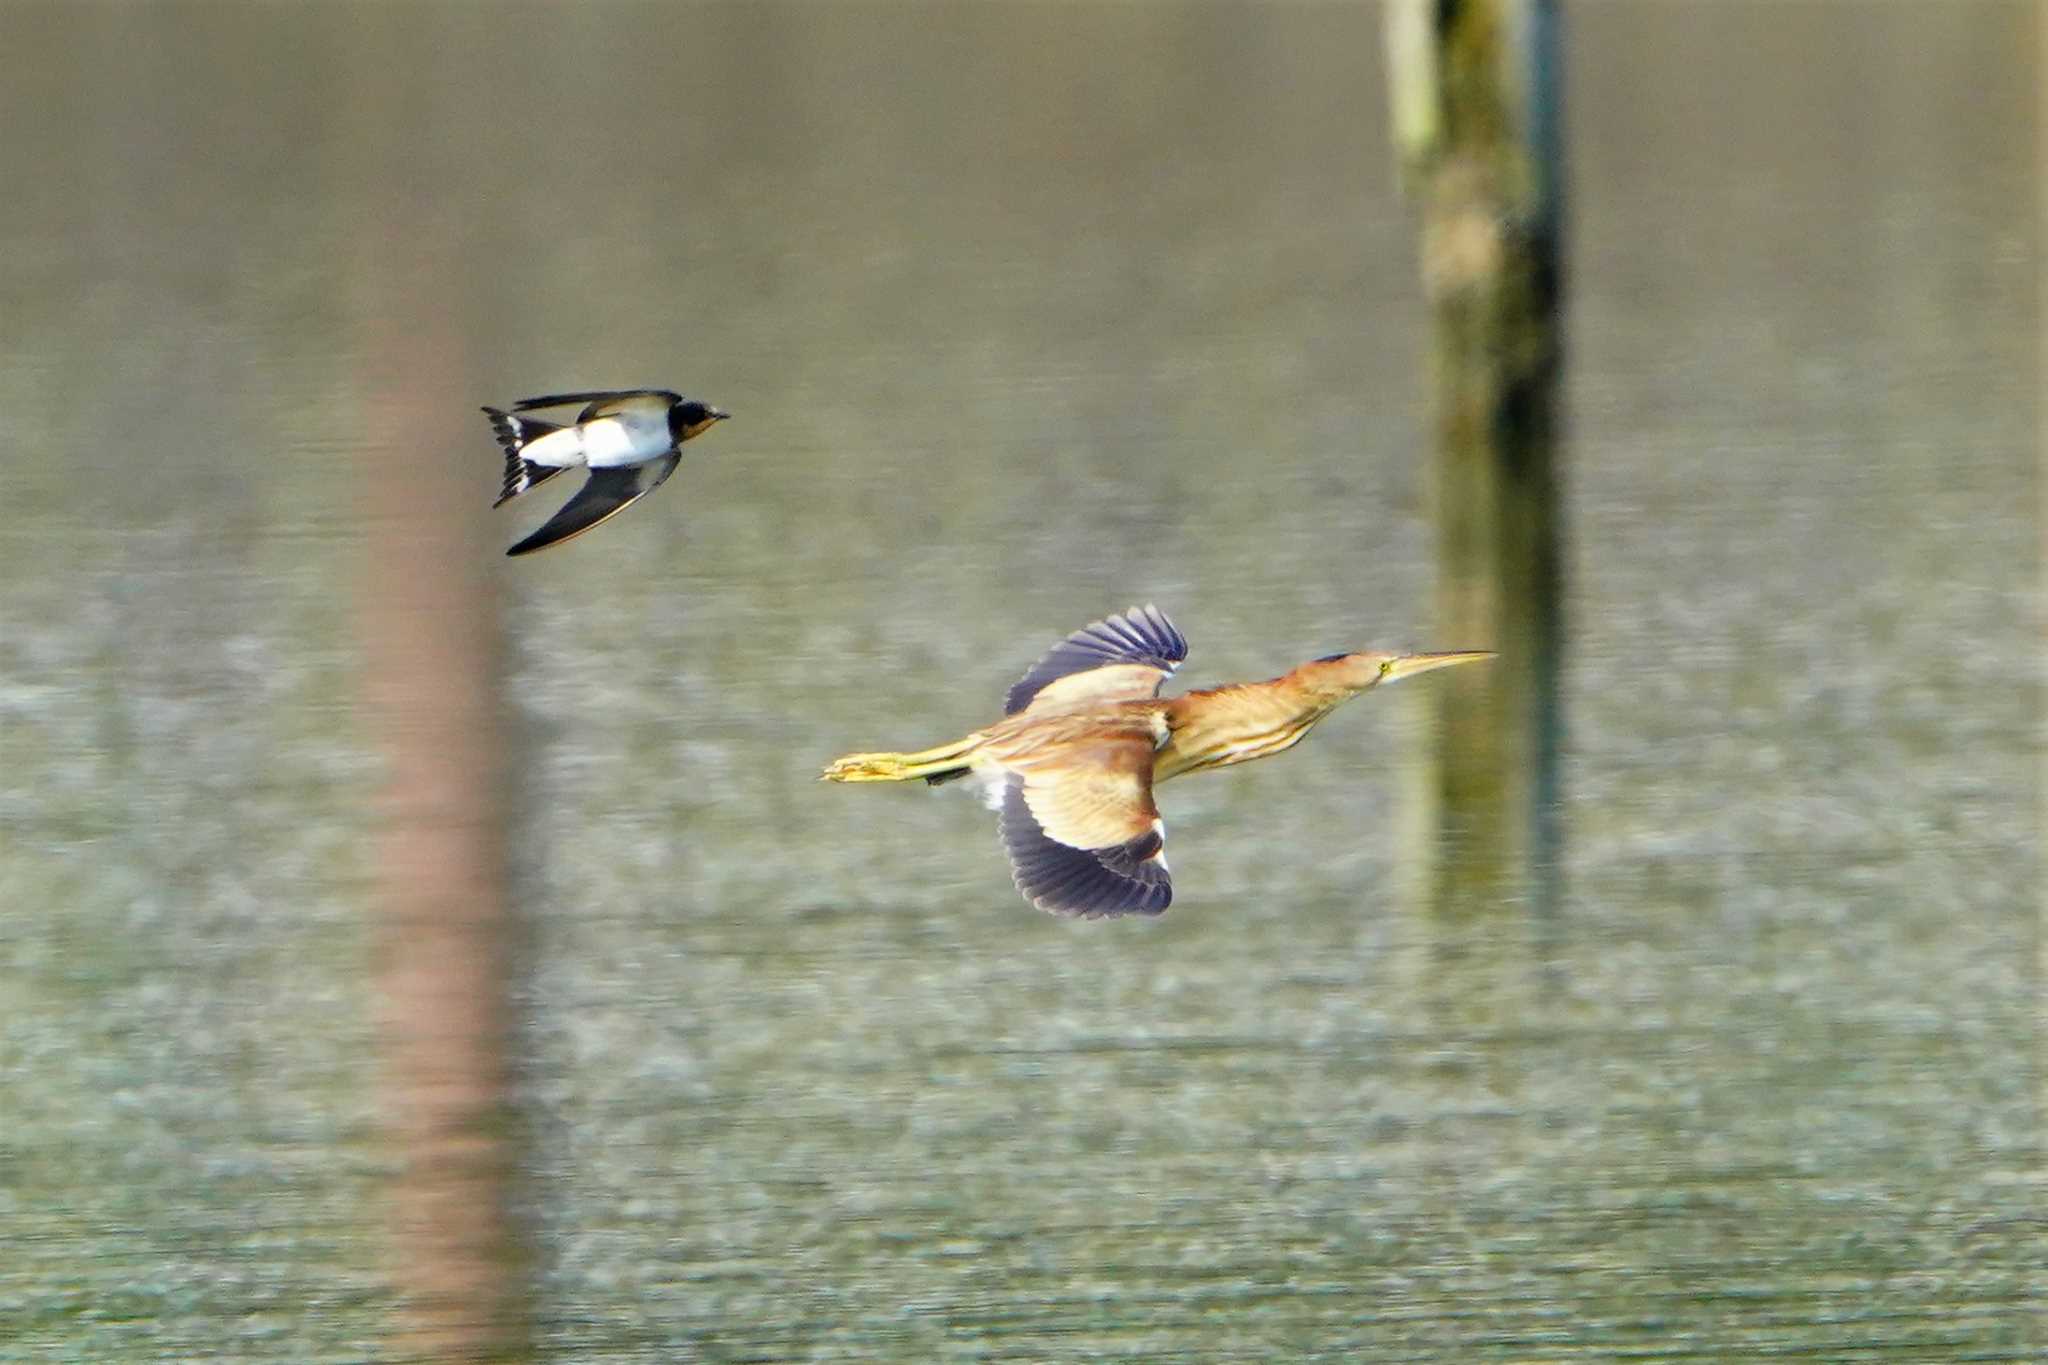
column 1085, row 737
column 930, row 764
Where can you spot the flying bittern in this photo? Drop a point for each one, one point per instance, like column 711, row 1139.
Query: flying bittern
column 1086, row 736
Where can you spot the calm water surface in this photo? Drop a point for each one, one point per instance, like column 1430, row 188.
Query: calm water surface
column 1027, row 314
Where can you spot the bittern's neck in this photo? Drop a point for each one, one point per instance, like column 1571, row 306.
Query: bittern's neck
column 1226, row 725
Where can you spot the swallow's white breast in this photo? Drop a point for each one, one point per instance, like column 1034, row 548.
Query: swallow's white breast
column 563, row 449
column 631, row 437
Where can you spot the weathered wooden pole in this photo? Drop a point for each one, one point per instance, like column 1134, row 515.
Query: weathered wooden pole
column 1477, row 103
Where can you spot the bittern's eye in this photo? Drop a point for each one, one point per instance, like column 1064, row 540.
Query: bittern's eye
column 1386, row 667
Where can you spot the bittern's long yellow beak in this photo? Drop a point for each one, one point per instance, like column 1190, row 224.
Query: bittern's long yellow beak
column 1408, row 665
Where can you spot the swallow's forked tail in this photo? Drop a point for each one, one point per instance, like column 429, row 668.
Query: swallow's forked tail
column 515, row 433
column 942, row 764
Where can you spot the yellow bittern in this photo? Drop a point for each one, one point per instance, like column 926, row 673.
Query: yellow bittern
column 1085, row 737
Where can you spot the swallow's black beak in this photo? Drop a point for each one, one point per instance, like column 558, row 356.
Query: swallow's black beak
column 718, row 415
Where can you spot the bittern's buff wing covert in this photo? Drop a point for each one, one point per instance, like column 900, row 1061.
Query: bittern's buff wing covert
column 1085, row 737
column 630, row 440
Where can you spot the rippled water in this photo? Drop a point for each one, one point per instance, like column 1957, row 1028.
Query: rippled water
column 1027, row 314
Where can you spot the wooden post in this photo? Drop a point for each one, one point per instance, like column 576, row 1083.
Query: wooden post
column 1475, row 87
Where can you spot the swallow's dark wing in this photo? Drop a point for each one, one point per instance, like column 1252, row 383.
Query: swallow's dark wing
column 605, row 494
column 600, row 400
column 1122, row 658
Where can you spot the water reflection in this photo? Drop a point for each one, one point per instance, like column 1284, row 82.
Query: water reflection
column 1043, row 313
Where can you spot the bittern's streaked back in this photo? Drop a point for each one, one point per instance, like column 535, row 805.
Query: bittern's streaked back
column 1086, row 736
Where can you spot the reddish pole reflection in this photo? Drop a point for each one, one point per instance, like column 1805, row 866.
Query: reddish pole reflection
column 445, row 934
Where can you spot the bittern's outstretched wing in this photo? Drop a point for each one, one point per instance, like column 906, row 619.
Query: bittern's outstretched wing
column 606, row 493
column 1120, row 658
column 1084, row 837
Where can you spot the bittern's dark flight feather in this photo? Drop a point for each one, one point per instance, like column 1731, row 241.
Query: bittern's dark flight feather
column 1129, row 878
column 605, row 494
column 1124, row 657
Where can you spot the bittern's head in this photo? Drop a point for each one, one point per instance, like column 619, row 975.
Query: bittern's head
column 1357, row 672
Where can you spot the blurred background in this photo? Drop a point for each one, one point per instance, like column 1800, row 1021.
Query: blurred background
column 1026, row 314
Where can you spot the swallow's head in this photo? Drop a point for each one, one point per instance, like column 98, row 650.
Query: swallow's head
column 691, row 418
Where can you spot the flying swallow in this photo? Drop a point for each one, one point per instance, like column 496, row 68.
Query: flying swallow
column 629, row 439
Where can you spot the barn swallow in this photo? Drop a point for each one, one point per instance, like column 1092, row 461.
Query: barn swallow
column 629, row 439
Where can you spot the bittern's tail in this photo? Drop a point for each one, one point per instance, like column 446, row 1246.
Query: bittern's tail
column 933, row 765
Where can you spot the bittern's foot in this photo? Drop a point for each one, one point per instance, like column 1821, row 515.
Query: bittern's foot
column 864, row 768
